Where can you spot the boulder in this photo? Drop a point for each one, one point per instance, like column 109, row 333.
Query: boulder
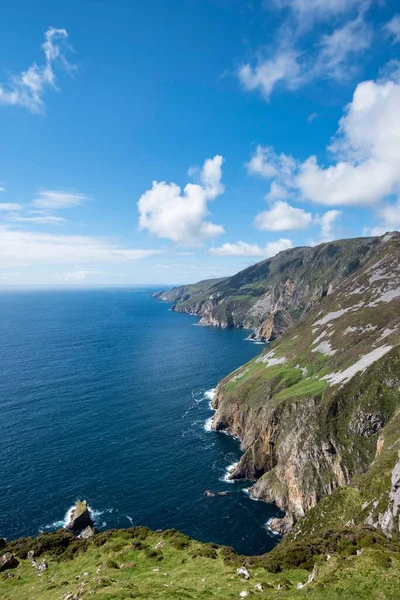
column 80, row 517
column 8, row 561
column 243, row 572
column 87, row 533
column 3, row 543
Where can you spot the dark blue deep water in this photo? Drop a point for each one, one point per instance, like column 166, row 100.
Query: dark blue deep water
column 102, row 396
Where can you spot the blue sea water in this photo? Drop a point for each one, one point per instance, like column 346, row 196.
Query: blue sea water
column 103, row 395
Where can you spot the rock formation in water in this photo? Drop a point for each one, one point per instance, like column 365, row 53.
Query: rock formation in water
column 80, row 517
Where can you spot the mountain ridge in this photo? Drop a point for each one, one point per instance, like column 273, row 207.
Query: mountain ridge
column 274, row 293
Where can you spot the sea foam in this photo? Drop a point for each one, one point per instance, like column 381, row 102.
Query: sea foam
column 228, row 472
column 208, row 424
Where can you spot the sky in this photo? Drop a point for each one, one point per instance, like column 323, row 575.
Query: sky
column 165, row 142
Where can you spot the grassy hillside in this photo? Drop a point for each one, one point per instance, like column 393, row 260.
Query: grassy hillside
column 138, row 563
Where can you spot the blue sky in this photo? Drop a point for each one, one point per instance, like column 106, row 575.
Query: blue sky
column 166, row 142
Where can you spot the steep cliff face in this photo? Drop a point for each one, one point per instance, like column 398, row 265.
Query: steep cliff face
column 272, row 295
column 312, row 408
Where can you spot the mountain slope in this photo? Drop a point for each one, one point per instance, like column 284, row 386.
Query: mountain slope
column 275, row 293
column 316, row 407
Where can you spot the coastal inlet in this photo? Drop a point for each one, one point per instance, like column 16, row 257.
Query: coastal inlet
column 105, row 395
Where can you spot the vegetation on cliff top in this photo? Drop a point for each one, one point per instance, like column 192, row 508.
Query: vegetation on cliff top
column 138, row 563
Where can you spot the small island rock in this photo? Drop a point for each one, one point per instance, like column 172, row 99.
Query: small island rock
column 80, row 517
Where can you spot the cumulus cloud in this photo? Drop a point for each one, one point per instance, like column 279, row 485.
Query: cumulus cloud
column 58, row 199
column 244, row 249
column 368, row 148
column 283, row 217
column 366, row 154
column 26, row 248
column 27, row 89
column 167, row 212
column 393, row 28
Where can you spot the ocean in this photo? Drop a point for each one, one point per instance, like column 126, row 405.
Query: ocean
column 105, row 395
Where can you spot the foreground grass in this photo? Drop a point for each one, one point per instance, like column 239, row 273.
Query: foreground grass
column 134, row 564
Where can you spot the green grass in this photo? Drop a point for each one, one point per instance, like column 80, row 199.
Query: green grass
column 306, row 387
column 124, row 564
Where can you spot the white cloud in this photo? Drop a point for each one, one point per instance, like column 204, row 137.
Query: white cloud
column 283, row 217
column 79, row 275
column 373, row 231
column 327, row 222
column 168, row 213
column 244, row 249
column 40, row 219
column 58, row 199
column 391, row 215
column 9, row 206
column 282, row 68
column 313, row 10
column 368, row 148
column 27, row 88
column 286, row 65
column 367, row 152
column 337, row 48
column 23, row 248
column 393, row 28
column 268, row 164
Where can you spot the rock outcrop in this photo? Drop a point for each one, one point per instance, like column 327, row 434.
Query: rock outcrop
column 8, row 561
column 80, row 517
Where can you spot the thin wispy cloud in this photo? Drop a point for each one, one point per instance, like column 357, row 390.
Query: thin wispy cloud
column 289, row 65
column 28, row 248
column 58, row 199
column 392, row 28
column 27, row 89
column 76, row 276
column 39, row 219
column 9, row 206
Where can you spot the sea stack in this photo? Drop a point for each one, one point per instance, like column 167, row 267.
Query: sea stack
column 80, row 517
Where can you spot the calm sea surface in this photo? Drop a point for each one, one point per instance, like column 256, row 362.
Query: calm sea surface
column 103, row 395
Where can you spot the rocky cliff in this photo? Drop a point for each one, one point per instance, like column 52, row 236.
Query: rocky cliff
column 272, row 295
column 321, row 405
